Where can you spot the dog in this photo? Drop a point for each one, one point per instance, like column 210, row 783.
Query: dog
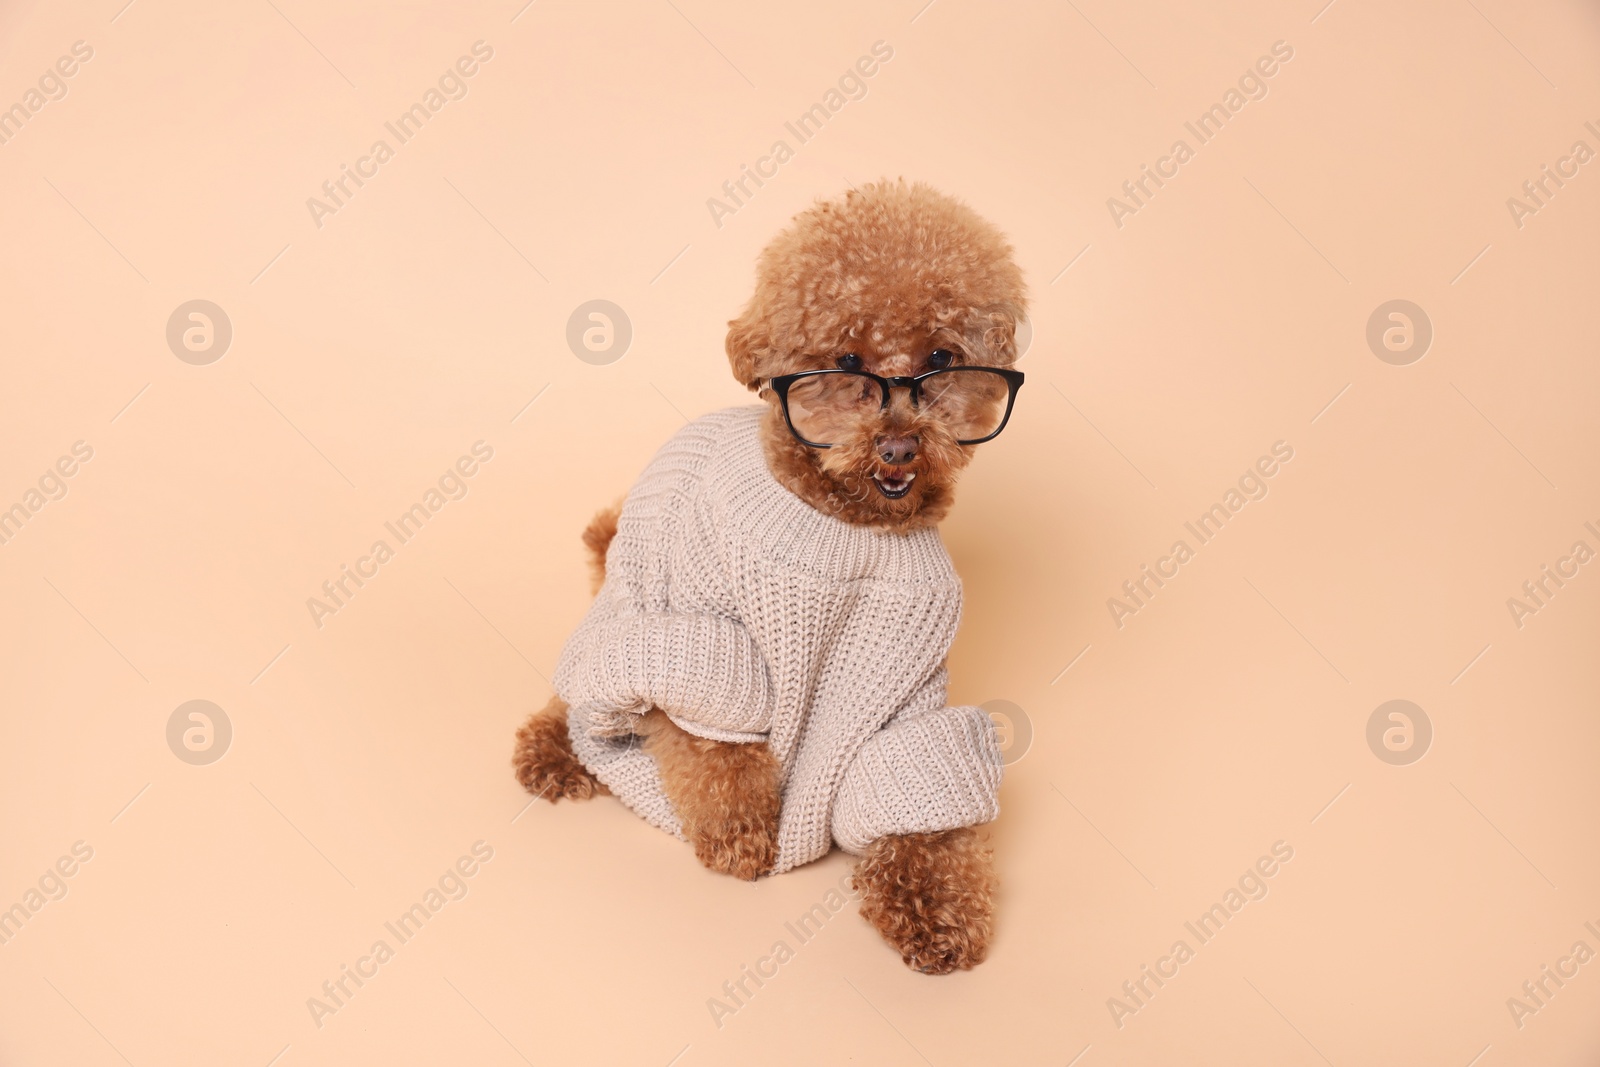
column 895, row 281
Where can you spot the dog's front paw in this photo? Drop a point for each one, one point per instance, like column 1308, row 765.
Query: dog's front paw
column 931, row 896
column 544, row 761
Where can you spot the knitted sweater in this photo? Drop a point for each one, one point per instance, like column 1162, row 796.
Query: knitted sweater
column 747, row 615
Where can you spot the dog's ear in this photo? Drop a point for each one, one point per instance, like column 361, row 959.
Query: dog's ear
column 747, row 339
column 991, row 333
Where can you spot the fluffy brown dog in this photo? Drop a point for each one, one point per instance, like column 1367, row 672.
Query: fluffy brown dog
column 897, row 281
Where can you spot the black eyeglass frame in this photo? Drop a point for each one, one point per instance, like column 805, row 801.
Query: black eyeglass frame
column 782, row 382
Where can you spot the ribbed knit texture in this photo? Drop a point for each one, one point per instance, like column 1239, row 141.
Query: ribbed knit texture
column 747, row 615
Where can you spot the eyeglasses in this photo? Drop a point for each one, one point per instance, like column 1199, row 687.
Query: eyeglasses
column 822, row 406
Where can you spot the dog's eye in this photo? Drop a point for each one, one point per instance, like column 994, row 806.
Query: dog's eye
column 850, row 362
column 940, row 358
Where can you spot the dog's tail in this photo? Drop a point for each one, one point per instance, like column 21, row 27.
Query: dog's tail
column 597, row 538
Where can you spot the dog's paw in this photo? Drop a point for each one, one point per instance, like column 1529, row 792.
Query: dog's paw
column 931, row 896
column 544, row 761
column 744, row 845
column 732, row 818
column 727, row 795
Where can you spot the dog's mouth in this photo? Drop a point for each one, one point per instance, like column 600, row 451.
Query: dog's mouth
column 894, row 484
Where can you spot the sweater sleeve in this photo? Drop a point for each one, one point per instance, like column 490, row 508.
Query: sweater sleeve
column 930, row 767
column 703, row 670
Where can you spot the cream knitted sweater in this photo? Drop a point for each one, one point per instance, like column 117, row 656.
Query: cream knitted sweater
column 746, row 615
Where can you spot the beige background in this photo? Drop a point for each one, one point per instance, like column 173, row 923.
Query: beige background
column 1168, row 354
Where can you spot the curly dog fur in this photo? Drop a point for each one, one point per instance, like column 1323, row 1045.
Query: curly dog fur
column 931, row 896
column 889, row 273
column 726, row 795
column 879, row 280
column 544, row 761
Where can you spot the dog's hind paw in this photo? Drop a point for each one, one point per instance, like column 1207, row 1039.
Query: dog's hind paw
column 727, row 795
column 743, row 844
column 544, row 761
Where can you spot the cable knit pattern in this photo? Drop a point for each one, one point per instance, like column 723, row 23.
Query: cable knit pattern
column 747, row 615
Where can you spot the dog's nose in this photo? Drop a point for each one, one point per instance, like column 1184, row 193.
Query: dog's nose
column 896, row 449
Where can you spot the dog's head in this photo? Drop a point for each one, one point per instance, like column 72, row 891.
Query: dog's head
column 897, row 281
